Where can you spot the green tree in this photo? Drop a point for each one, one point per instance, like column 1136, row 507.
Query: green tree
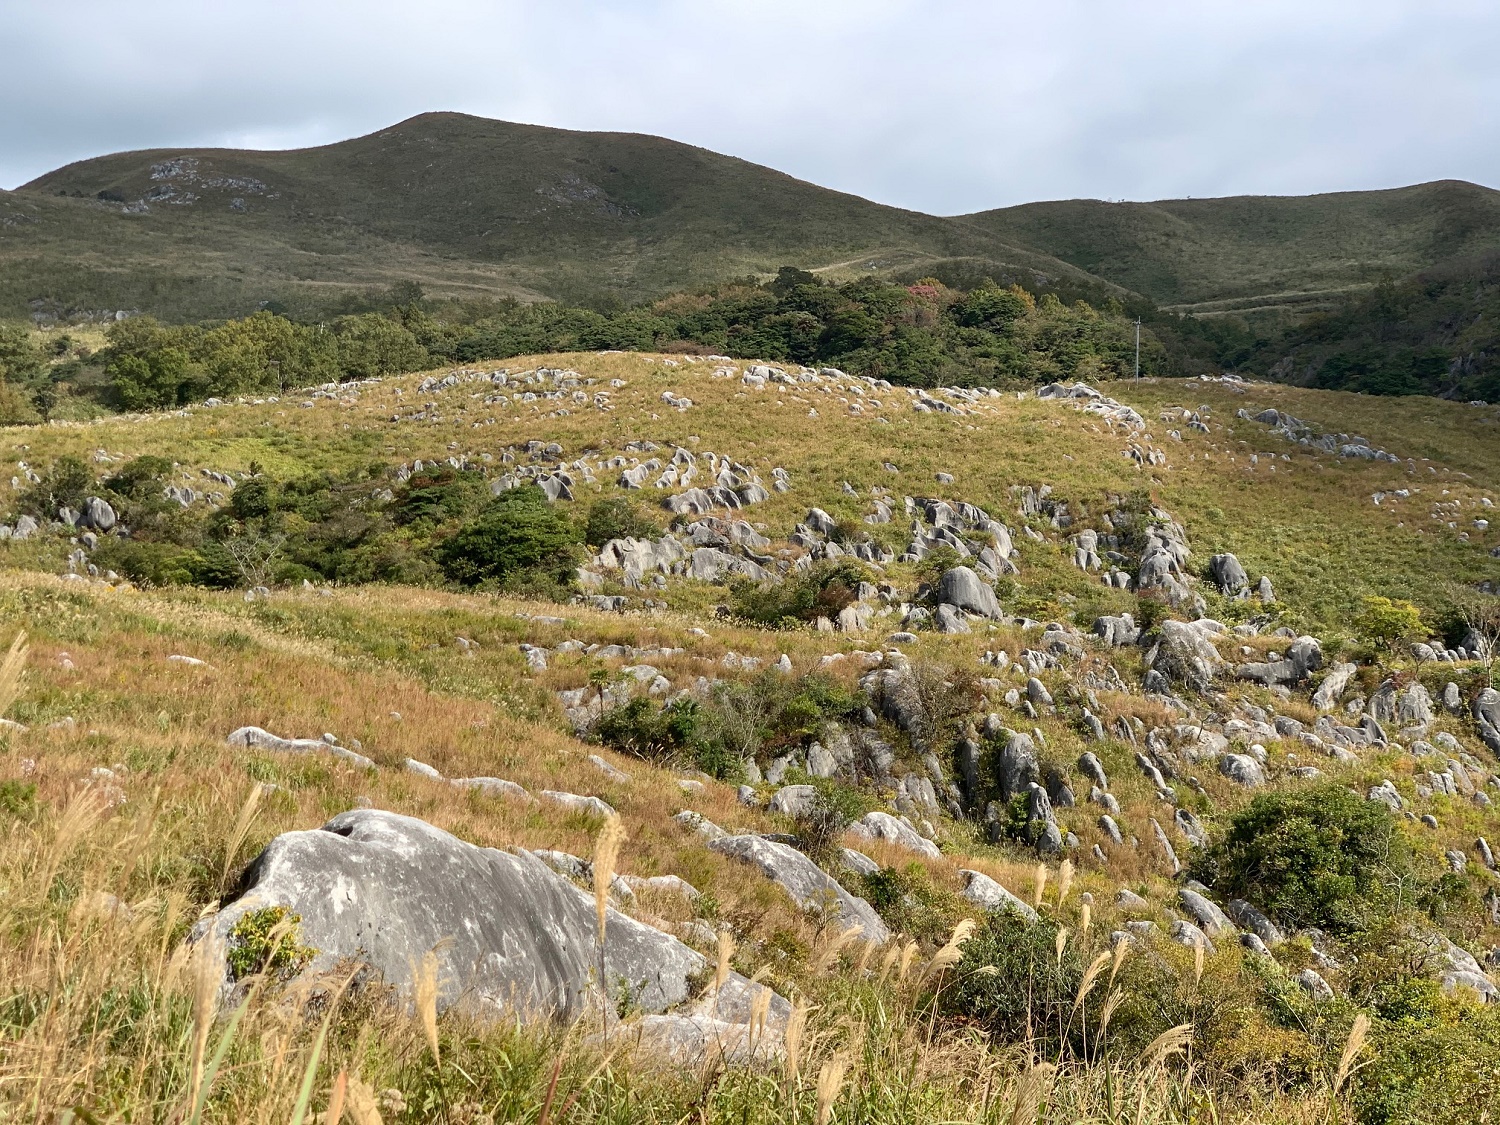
column 151, row 381
column 519, row 536
column 370, row 345
column 1387, row 622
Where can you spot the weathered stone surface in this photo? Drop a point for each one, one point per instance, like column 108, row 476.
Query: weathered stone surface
column 1191, row 827
column 97, row 514
column 858, row 862
column 963, row 588
column 494, row 786
column 386, row 888
column 1333, row 685
column 258, row 739
column 810, row 887
column 1210, row 919
column 1242, row 769
column 950, row 619
column 1487, row 717
column 697, row 822
column 1131, row 902
column 1017, row 767
column 574, row 802
column 987, row 894
column 1248, row 918
column 1185, row 933
column 1185, row 655
column 1313, row 982
column 794, row 800
column 1117, row 631
column 1041, row 822
column 1228, row 574
column 1093, row 769
column 884, row 826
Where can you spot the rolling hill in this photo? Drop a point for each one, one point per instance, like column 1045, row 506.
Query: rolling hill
column 469, row 207
column 1258, row 254
column 461, row 204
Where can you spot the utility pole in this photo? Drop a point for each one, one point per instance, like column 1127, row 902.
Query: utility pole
column 1137, row 349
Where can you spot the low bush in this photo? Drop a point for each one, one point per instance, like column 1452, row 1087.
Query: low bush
column 615, row 517
column 678, row 733
column 1321, row 857
column 822, row 590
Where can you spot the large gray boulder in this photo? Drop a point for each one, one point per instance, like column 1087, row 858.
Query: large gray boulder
column 1185, row 655
column 963, row 588
column 97, row 514
column 794, row 800
column 1210, row 919
column 987, row 894
column 1017, row 765
column 1242, row 769
column 884, row 826
column 1487, row 717
column 1333, row 685
column 810, row 886
column 510, row 933
column 1249, row 918
column 1229, row 576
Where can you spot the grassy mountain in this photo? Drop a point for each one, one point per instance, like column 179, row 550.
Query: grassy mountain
column 461, row 204
column 1263, row 256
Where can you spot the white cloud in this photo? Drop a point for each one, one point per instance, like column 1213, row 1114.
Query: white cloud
column 939, row 106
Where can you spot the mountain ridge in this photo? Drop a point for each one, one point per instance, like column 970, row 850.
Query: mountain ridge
column 472, row 207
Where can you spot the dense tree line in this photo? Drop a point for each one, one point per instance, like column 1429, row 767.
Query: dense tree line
column 1432, row 334
column 924, row 334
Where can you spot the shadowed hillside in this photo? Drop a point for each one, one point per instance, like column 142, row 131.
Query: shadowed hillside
column 461, row 204
column 1258, row 254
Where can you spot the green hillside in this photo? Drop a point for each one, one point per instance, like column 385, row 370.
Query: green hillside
column 961, row 722
column 464, row 206
column 1258, row 254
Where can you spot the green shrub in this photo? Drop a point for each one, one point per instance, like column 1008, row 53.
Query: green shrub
column 675, row 734
column 617, row 518
column 441, row 494
column 148, row 564
column 1438, row 1064
column 800, row 597
column 139, row 478
column 519, row 537
column 1386, row 622
column 1012, row 978
column 18, row 798
column 1322, row 857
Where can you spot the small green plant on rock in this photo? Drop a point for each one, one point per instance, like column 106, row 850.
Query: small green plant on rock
column 265, row 941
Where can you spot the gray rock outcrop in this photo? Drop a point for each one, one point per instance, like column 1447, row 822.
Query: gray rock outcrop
column 811, row 887
column 884, row 826
column 259, row 739
column 510, row 933
column 963, row 588
column 987, row 894
column 1185, row 655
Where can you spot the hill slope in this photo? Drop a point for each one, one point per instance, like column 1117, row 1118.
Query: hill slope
column 461, row 204
column 1258, row 254
column 126, row 813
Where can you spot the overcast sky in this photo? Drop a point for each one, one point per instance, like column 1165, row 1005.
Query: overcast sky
column 944, row 106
